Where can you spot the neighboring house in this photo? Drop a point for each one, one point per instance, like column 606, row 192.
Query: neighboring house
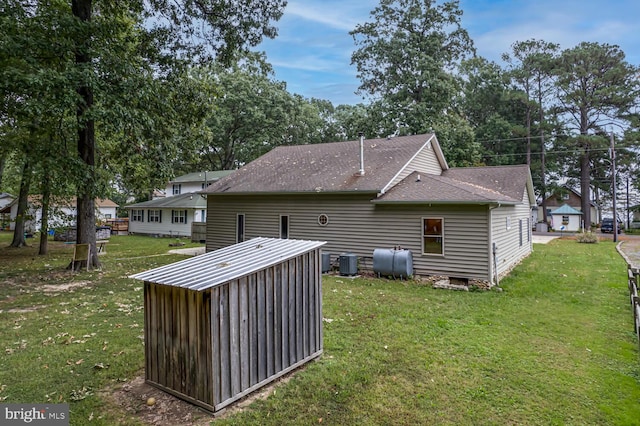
column 565, row 196
column 566, row 218
column 194, row 182
column 5, row 217
column 169, row 216
column 173, row 214
column 401, row 192
column 635, row 218
column 62, row 212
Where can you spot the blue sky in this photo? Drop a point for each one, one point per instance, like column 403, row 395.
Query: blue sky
column 312, row 52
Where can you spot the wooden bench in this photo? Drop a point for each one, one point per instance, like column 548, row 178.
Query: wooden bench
column 101, row 246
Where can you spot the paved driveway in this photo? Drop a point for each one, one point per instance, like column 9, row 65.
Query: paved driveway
column 543, row 239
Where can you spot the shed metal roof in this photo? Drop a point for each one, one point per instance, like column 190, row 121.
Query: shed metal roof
column 217, row 267
column 566, row 209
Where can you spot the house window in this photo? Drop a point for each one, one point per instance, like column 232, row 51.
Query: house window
column 520, row 231
column 284, row 227
column 107, row 216
column 508, row 222
column 137, row 215
column 178, row 216
column 565, row 196
column 433, row 235
column 323, row 220
column 177, row 189
column 203, row 215
column 154, row 216
column 240, row 228
column 565, row 220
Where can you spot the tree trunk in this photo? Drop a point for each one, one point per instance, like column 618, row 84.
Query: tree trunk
column 3, row 161
column 44, row 222
column 86, row 223
column 23, row 205
column 585, row 187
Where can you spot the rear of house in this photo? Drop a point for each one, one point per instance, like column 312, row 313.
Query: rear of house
column 407, row 197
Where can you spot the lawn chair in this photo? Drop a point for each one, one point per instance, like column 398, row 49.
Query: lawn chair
column 81, row 252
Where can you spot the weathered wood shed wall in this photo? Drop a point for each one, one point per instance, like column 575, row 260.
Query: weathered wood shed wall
column 221, row 325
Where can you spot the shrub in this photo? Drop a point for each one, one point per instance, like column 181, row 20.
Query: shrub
column 587, row 238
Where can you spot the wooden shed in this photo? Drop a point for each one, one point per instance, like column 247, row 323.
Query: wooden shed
column 221, row 325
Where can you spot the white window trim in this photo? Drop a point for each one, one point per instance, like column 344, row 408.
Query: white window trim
column 137, row 215
column 508, row 222
column 244, row 226
column 176, row 215
column 157, row 218
column 423, row 236
column 288, row 225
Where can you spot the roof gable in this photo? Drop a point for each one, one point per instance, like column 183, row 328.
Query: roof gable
column 328, row 167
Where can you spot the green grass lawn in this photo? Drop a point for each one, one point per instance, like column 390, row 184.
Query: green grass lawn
column 555, row 347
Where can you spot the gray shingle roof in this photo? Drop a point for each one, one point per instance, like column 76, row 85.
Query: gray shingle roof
column 420, row 188
column 327, row 167
column 211, row 176
column 470, row 185
column 182, row 201
column 333, row 167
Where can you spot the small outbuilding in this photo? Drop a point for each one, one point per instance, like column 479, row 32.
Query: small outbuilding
column 220, row 325
column 566, row 218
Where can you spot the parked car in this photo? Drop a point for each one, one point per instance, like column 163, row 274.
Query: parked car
column 607, row 225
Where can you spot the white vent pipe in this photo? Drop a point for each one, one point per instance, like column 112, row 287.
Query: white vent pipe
column 361, row 153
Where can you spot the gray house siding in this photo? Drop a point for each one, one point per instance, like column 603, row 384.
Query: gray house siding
column 426, row 161
column 356, row 225
column 514, row 241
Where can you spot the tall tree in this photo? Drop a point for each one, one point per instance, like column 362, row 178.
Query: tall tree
column 494, row 110
column 597, row 88
column 195, row 29
column 407, row 56
column 532, row 64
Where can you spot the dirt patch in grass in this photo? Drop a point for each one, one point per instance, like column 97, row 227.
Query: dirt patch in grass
column 132, row 397
column 56, row 288
column 25, row 310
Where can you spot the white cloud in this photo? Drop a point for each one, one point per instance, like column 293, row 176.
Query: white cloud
column 341, row 15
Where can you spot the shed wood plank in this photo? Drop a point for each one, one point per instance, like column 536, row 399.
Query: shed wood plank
column 304, row 283
column 225, row 364
column 284, row 317
column 261, row 320
column 292, row 312
column 234, row 325
column 244, row 333
column 253, row 331
column 277, row 317
column 214, row 320
column 270, row 347
column 183, row 352
column 210, row 371
column 300, row 309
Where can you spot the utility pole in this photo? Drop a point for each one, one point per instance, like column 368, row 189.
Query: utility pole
column 628, row 219
column 613, row 187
